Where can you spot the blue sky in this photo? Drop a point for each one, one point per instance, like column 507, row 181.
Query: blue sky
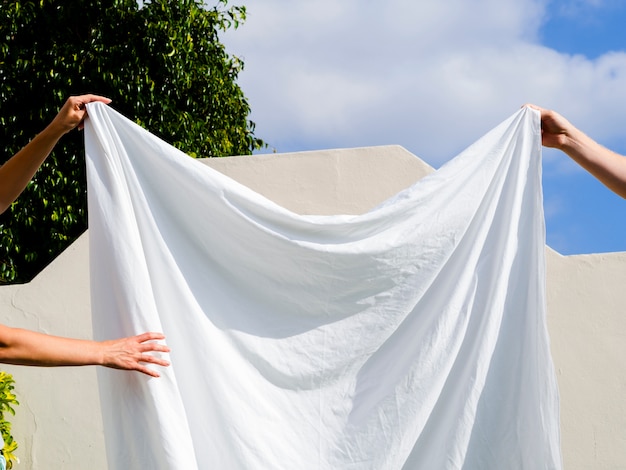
column 589, row 28
column 434, row 76
column 590, row 219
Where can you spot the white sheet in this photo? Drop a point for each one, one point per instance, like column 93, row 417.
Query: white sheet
column 410, row 337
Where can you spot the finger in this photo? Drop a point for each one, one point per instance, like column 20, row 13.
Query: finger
column 151, row 354
column 147, row 358
column 149, row 336
column 84, row 99
column 149, row 346
column 79, row 103
column 147, row 371
column 536, row 108
column 75, row 103
column 158, row 348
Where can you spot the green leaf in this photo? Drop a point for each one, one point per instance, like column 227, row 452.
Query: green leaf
column 162, row 65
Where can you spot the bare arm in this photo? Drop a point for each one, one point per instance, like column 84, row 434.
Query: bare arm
column 606, row 165
column 18, row 346
column 24, row 347
column 19, row 170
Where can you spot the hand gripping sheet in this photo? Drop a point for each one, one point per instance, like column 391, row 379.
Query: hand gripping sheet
column 410, row 337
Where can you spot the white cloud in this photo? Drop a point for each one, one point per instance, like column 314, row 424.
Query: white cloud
column 430, row 75
column 576, row 8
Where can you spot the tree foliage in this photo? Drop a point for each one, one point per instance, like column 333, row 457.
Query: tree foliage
column 162, row 64
column 7, row 401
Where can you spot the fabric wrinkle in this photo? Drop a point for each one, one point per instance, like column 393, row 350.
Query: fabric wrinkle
column 412, row 336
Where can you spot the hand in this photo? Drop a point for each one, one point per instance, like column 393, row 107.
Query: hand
column 555, row 129
column 73, row 112
column 607, row 166
column 18, row 171
column 130, row 353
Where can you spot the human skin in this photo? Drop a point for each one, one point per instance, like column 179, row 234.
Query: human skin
column 25, row 347
column 607, row 166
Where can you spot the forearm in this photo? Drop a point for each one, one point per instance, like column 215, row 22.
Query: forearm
column 24, row 347
column 18, row 171
column 606, row 165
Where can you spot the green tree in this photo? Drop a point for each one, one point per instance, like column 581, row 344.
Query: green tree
column 7, row 401
column 160, row 62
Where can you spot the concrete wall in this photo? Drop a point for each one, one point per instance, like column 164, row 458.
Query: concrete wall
column 587, row 323
column 58, row 423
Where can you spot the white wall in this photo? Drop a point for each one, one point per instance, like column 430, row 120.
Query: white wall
column 58, row 423
column 587, row 323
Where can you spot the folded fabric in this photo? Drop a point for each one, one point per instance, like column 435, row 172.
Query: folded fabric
column 409, row 337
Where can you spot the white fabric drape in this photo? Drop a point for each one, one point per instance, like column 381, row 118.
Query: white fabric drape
column 410, row 337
